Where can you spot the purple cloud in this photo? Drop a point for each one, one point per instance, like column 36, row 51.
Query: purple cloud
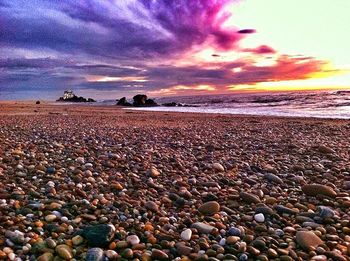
column 54, row 45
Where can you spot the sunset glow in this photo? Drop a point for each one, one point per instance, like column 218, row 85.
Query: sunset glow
column 164, row 48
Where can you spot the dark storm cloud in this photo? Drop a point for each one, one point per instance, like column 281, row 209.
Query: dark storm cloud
column 105, row 28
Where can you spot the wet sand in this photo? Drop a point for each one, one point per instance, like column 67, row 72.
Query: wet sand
column 92, row 182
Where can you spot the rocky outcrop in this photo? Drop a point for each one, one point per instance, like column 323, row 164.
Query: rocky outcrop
column 139, row 100
column 123, row 102
column 74, row 98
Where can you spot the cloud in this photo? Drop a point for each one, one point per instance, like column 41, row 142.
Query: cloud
column 262, row 49
column 54, row 45
column 118, row 29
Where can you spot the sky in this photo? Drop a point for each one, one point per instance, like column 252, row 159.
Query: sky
column 113, row 48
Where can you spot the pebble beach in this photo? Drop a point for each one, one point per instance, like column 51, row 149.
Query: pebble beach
column 101, row 183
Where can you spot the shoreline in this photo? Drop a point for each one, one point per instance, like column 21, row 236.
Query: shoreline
column 29, row 107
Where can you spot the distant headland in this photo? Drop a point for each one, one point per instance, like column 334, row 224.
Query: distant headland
column 69, row 96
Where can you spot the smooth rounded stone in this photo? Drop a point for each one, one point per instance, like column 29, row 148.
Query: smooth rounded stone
column 273, row 178
column 285, row 210
column 279, row 232
column 133, row 239
column 222, row 242
column 218, row 167
column 262, row 208
column 203, row 228
column 253, row 251
column 347, row 185
column 259, row 217
column 318, row 189
column 325, row 212
column 122, row 244
column 46, row 257
column 98, row 235
column 77, row 240
column 286, row 258
column 154, row 172
column 64, row 251
column 80, row 160
column 50, row 170
column 111, row 254
column 272, row 253
column 50, row 218
column 234, row 231
column 319, row 258
column 186, row 234
column 50, row 243
column 258, row 243
column 127, row 253
column 152, row 206
column 16, row 236
column 232, row 240
column 249, row 198
column 307, row 240
column 159, row 254
column 94, row 254
column 243, row 257
column 182, row 249
column 209, row 208
column 325, row 150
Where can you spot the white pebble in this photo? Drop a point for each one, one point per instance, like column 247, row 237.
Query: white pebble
column 222, row 242
column 186, row 234
column 133, row 239
column 259, row 217
column 11, row 256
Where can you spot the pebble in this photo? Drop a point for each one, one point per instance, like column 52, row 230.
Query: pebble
column 98, row 235
column 273, row 178
column 307, row 240
column 326, row 150
column 150, row 205
column 132, row 186
column 318, row 189
column 186, row 234
column 218, row 167
column 203, row 228
column 249, row 198
column 209, row 208
column 95, row 254
column 259, row 217
column 50, row 218
column 64, row 251
column 133, row 240
column 159, row 255
column 77, row 240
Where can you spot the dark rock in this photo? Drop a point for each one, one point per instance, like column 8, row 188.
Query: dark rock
column 37, row 102
column 273, row 178
column 285, row 210
column 71, row 97
column 170, row 104
column 123, row 102
column 325, row 212
column 150, row 102
column 249, row 198
column 99, row 235
column 141, row 100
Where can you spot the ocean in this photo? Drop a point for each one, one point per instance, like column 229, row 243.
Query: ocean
column 330, row 104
